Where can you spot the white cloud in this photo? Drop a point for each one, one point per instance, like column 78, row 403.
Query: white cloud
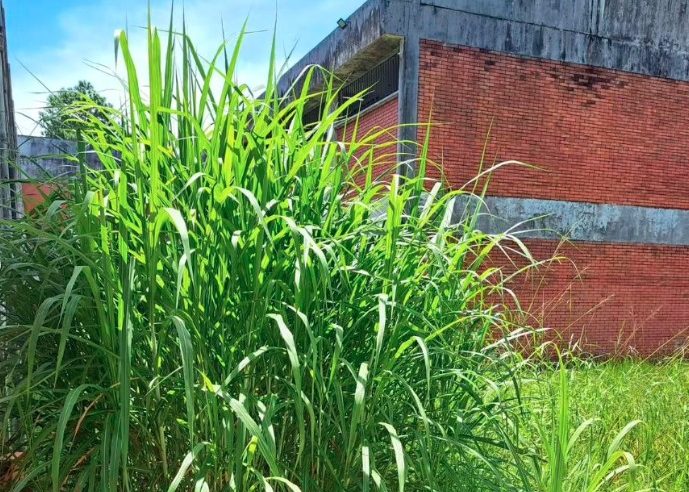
column 87, row 39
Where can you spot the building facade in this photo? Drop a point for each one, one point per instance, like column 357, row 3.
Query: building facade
column 594, row 95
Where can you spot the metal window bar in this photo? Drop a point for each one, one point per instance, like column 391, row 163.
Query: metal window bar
column 379, row 83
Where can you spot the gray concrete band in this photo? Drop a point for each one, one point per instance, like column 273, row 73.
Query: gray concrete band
column 648, row 38
column 590, row 222
column 637, row 37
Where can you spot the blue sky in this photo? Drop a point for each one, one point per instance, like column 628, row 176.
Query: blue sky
column 56, row 42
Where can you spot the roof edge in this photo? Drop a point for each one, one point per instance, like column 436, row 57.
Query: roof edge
column 364, row 27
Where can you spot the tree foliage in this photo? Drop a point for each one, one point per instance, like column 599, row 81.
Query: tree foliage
column 67, row 110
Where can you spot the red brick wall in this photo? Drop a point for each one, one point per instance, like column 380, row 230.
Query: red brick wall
column 379, row 118
column 598, row 136
column 614, row 298
column 601, row 136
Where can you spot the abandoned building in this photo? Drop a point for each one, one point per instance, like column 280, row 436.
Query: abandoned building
column 594, row 95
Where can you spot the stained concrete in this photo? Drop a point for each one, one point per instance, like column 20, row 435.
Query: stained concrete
column 577, row 221
column 649, row 37
column 346, row 51
column 632, row 38
column 41, row 157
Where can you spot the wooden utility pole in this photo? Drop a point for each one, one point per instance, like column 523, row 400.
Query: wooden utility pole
column 8, row 132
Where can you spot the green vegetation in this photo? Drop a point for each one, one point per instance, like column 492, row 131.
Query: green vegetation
column 223, row 307
column 615, row 395
column 68, row 111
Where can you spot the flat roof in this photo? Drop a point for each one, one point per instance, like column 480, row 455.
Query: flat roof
column 650, row 37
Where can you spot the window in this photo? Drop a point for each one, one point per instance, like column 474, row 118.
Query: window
column 379, row 82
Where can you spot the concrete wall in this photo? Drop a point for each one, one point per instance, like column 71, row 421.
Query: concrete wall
column 608, row 152
column 646, row 37
column 42, row 157
column 641, row 37
column 349, row 51
column 48, row 161
column 656, row 22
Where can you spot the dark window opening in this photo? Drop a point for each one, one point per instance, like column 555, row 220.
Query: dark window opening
column 379, row 83
column 313, row 115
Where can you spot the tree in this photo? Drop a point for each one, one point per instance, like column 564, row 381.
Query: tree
column 68, row 109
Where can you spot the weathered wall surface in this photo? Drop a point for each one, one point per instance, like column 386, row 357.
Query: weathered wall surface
column 598, row 136
column 8, row 132
column 641, row 37
column 595, row 93
column 610, row 149
column 42, row 157
column 654, row 22
column 46, row 160
column 645, row 37
column 356, row 47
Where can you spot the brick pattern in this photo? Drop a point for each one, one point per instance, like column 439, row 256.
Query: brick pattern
column 383, row 118
column 598, row 135
column 611, row 299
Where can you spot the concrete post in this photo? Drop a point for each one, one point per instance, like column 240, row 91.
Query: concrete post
column 8, row 132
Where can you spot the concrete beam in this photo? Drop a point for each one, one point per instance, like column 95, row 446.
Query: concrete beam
column 364, row 27
column 400, row 21
column 555, row 219
column 649, row 38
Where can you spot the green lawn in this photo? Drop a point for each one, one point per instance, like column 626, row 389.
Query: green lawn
column 615, row 394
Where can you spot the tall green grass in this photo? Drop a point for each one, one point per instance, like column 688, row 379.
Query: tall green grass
column 613, row 394
column 222, row 307
column 569, row 453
